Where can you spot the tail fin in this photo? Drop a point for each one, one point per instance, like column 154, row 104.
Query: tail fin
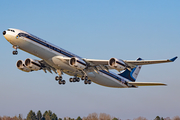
column 131, row 75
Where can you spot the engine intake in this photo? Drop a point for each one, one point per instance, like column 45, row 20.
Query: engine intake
column 117, row 64
column 32, row 64
column 21, row 66
column 77, row 63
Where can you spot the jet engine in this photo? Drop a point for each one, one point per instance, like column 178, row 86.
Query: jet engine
column 117, row 64
column 77, row 63
column 21, row 66
column 32, row 64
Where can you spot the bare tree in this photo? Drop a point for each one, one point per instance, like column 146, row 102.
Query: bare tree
column 104, row 116
column 140, row 118
column 92, row 116
column 176, row 118
column 167, row 118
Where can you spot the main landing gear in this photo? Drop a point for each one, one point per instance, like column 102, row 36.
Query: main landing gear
column 76, row 79
column 15, row 52
column 86, row 81
column 59, row 79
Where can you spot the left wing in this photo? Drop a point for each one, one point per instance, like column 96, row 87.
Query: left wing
column 147, row 62
column 96, row 62
column 127, row 63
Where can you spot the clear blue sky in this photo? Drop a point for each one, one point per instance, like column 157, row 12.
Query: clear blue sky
column 97, row 30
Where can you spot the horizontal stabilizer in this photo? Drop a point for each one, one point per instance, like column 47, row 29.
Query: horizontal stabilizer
column 146, row 83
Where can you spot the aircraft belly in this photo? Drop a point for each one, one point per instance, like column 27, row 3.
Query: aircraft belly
column 104, row 80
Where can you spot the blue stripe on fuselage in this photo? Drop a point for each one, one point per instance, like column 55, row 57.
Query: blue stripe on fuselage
column 42, row 42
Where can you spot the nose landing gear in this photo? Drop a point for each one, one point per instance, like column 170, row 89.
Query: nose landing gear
column 15, row 52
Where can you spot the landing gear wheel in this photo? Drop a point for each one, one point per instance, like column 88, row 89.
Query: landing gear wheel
column 86, row 78
column 89, row 81
column 60, row 82
column 57, row 78
column 82, row 78
column 77, row 79
column 15, row 52
column 74, row 79
column 60, row 77
column 70, row 79
column 63, row 82
column 85, row 81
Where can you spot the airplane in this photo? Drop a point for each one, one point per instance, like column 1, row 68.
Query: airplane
column 58, row 60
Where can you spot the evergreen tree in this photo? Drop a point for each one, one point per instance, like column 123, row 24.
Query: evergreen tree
column 49, row 113
column 60, row 119
column 54, row 117
column 46, row 112
column 47, row 117
column 114, row 119
column 31, row 115
column 79, row 118
column 39, row 115
column 20, row 117
column 162, row 118
column 157, row 118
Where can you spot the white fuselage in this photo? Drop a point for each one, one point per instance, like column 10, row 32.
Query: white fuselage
column 53, row 55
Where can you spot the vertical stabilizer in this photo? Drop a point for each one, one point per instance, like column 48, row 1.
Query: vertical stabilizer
column 131, row 75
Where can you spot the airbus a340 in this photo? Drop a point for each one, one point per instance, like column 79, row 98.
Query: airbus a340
column 58, row 60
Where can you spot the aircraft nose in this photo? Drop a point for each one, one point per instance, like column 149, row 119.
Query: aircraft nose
column 4, row 32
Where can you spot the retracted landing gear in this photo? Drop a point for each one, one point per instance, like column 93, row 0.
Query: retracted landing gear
column 15, row 52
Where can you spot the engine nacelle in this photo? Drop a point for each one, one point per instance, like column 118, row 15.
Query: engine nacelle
column 117, row 64
column 32, row 64
column 21, row 66
column 77, row 63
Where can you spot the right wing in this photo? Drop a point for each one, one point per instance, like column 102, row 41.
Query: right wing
column 45, row 66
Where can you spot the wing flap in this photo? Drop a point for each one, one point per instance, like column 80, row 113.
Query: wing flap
column 95, row 62
column 146, row 84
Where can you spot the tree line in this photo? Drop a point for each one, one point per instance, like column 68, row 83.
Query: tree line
column 48, row 115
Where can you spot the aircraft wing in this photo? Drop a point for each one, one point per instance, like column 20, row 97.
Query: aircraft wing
column 130, row 63
column 47, row 67
column 147, row 62
column 146, row 83
column 95, row 62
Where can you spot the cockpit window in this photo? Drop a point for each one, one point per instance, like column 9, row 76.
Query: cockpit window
column 10, row 30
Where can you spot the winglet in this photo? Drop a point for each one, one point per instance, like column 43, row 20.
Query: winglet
column 173, row 59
